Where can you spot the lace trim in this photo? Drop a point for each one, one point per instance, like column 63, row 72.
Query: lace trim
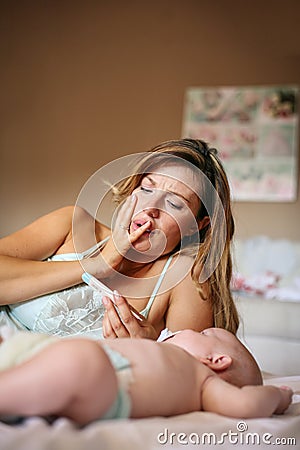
column 78, row 310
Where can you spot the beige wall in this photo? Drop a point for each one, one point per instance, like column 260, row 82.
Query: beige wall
column 83, row 82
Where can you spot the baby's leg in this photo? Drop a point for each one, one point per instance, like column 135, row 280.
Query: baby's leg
column 71, row 377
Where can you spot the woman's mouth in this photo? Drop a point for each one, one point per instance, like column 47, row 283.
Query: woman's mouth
column 138, row 223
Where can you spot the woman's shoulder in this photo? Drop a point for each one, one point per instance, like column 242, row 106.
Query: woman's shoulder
column 180, row 267
column 62, row 214
column 84, row 224
column 185, row 282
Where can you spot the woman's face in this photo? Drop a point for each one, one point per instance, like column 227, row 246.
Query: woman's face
column 167, row 197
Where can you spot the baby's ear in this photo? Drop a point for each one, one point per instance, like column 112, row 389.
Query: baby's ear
column 217, row 362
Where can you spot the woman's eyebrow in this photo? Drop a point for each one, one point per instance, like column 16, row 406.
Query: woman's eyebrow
column 178, row 194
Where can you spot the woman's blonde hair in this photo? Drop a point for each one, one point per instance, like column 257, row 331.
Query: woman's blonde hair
column 215, row 203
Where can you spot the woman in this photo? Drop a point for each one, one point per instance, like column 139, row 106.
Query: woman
column 168, row 254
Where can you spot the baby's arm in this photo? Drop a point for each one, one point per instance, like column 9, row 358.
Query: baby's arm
column 248, row 401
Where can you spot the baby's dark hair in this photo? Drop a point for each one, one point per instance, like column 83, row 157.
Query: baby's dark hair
column 244, row 370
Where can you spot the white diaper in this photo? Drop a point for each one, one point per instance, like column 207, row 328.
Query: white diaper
column 18, row 346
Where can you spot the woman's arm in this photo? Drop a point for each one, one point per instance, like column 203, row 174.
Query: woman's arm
column 187, row 310
column 41, row 238
column 248, row 401
column 23, row 273
column 22, row 280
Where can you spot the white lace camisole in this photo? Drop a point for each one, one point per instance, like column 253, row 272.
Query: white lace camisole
column 77, row 310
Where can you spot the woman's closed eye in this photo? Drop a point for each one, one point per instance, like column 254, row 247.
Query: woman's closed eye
column 171, row 200
column 146, row 190
column 175, row 205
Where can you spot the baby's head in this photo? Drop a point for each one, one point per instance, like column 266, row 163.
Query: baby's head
column 222, row 352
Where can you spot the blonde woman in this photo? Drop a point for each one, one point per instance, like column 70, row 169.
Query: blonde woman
column 167, row 255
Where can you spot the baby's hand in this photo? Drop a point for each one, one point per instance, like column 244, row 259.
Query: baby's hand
column 286, row 399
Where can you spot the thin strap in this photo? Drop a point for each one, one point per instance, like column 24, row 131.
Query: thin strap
column 89, row 252
column 145, row 311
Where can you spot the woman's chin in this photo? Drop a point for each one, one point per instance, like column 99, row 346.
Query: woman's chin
column 143, row 252
column 149, row 247
column 142, row 246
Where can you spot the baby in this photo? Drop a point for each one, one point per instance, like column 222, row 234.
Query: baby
column 86, row 380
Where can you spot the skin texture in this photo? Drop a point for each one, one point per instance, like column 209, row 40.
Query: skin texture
column 51, row 380
column 160, row 205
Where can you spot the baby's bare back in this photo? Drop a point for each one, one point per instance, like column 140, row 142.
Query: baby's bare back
column 166, row 379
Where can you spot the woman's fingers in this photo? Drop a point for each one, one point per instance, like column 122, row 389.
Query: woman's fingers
column 123, row 320
column 114, row 324
column 124, row 219
column 125, row 213
column 107, row 331
column 121, row 240
column 135, row 235
column 125, row 310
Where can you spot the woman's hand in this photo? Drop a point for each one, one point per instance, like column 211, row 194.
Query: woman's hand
column 120, row 242
column 123, row 320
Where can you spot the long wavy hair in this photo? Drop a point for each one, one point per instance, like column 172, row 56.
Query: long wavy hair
column 212, row 268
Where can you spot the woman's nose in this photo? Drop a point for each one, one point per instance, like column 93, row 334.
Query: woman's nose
column 151, row 204
column 152, row 211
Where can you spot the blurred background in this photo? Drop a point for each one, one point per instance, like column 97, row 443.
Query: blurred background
column 85, row 82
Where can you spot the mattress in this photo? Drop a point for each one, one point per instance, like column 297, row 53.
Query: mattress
column 193, row 430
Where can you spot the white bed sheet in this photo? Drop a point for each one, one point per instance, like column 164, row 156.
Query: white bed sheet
column 190, row 430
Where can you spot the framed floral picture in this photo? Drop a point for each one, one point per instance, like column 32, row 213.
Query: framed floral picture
column 255, row 130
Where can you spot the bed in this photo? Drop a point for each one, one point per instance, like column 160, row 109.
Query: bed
column 197, row 429
column 188, row 430
column 270, row 328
